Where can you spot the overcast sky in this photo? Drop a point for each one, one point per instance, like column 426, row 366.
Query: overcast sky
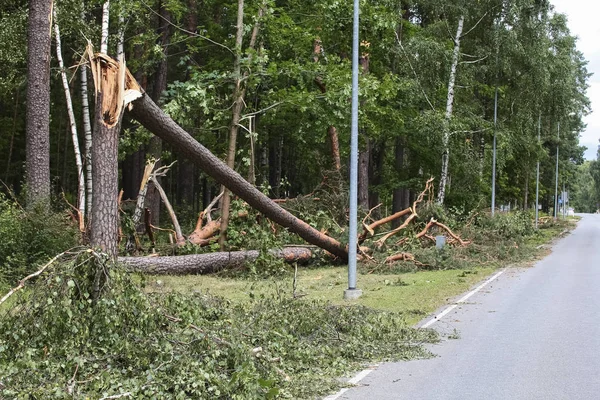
column 583, row 23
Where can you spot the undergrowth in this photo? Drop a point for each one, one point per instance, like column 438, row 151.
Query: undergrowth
column 61, row 339
column 28, row 238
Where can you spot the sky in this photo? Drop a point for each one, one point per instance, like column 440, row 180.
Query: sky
column 583, row 23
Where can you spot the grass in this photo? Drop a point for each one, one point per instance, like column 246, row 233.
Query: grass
column 414, row 294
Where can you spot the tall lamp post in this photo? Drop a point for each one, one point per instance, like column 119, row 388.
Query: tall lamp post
column 352, row 292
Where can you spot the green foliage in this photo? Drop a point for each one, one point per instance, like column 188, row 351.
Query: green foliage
column 509, row 226
column 30, row 238
column 60, row 341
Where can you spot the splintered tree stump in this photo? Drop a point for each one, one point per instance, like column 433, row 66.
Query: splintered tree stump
column 209, row 262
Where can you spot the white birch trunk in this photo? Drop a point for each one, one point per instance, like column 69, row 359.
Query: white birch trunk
column 80, row 178
column 87, row 130
column 448, row 116
column 105, row 19
column 121, row 40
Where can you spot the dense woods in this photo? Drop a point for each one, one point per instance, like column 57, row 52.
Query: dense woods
column 282, row 80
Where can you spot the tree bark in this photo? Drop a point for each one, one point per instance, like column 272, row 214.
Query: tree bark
column 104, row 28
column 364, row 156
column 38, row 103
column 156, row 121
column 363, row 174
column 448, row 116
column 160, row 85
column 105, row 158
column 115, row 88
column 12, row 136
column 209, row 262
column 81, row 203
column 238, row 105
column 398, row 196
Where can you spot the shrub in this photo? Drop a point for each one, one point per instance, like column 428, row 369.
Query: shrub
column 30, row 238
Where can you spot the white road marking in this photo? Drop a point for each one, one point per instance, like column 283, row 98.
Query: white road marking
column 461, row 300
column 354, row 381
column 363, row 374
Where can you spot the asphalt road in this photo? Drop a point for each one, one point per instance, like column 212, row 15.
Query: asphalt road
column 533, row 333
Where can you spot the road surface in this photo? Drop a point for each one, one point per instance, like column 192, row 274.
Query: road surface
column 533, row 333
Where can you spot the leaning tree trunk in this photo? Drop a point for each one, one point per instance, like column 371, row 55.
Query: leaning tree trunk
column 73, row 127
column 448, row 116
column 156, row 121
column 209, row 262
column 38, row 102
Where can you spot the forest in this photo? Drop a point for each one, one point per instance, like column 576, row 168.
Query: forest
column 197, row 136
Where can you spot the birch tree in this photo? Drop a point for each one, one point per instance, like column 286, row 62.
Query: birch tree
column 448, row 115
column 72, row 126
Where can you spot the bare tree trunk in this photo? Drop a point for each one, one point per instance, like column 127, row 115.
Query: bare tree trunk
column 239, row 93
column 335, row 147
column 526, row 199
column 363, row 174
column 210, row 262
column 178, row 233
column 156, row 121
column 448, row 116
column 12, row 136
column 364, row 156
column 73, row 126
column 155, row 147
column 38, row 102
column 105, row 24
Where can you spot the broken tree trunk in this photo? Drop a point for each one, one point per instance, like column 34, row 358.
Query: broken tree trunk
column 156, row 121
column 115, row 87
column 209, row 262
column 180, row 239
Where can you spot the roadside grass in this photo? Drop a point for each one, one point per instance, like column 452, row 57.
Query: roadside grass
column 400, row 288
column 412, row 294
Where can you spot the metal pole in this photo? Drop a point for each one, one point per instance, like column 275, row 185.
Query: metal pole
column 537, row 179
column 564, row 202
column 494, row 152
column 556, row 188
column 352, row 292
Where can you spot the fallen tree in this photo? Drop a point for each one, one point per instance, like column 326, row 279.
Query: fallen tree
column 209, row 262
column 147, row 113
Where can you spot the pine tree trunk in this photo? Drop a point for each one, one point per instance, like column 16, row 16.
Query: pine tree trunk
column 210, row 262
column 73, row 127
column 156, row 121
column 363, row 174
column 38, row 103
column 111, row 79
column 448, row 116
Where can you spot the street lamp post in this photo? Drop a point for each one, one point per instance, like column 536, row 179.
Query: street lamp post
column 352, row 292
